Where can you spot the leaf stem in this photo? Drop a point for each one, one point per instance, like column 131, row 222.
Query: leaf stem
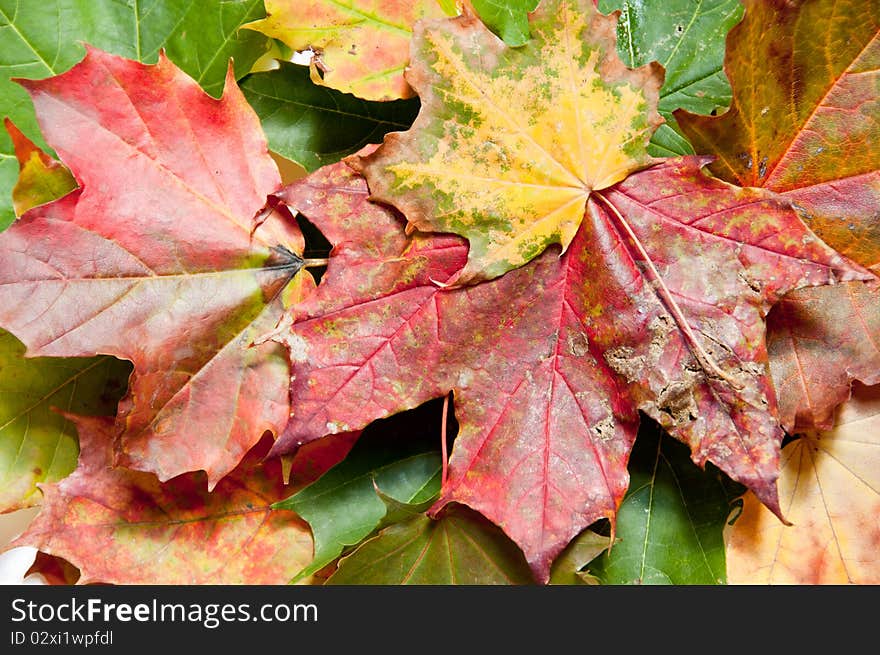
column 704, row 358
column 443, row 441
column 315, row 263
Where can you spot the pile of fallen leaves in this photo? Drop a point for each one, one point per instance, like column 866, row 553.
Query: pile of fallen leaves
column 619, row 262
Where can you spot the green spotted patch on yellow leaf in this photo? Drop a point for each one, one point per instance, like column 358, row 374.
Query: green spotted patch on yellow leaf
column 510, row 142
column 361, row 46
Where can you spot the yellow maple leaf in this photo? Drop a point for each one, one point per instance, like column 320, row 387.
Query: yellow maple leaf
column 361, row 46
column 510, row 142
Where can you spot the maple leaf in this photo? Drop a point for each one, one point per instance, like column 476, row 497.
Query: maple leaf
column 656, row 306
column 41, row 178
column 509, row 20
column 819, row 340
column 189, row 536
column 360, row 46
column 316, row 125
column 786, row 142
column 316, row 458
column 36, row 444
column 568, row 568
column 670, row 525
column 46, row 38
column 350, row 501
column 829, row 487
column 687, row 39
column 508, row 146
column 803, row 123
column 159, row 258
column 53, row 570
column 460, row 547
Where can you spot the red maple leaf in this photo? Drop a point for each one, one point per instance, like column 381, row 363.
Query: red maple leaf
column 160, row 258
column 657, row 305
